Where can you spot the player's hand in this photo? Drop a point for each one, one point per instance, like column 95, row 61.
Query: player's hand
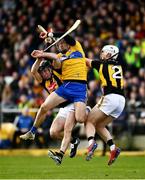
column 47, row 37
column 37, row 54
column 43, row 35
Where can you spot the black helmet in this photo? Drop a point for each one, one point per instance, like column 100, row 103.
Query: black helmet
column 44, row 64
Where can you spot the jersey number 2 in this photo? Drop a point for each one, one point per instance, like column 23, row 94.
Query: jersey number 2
column 118, row 72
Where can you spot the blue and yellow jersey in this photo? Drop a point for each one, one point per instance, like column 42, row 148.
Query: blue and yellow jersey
column 74, row 64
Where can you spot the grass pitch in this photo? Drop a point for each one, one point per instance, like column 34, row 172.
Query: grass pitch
column 30, row 167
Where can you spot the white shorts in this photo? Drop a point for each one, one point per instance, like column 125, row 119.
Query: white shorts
column 112, row 104
column 63, row 112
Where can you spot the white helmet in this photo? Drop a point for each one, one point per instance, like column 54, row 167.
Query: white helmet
column 113, row 50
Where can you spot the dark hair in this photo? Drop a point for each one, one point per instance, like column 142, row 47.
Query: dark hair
column 43, row 65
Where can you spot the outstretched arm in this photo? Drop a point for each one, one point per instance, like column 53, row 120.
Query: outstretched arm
column 49, row 56
column 34, row 70
column 42, row 54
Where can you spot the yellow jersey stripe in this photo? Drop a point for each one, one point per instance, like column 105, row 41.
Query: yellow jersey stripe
column 103, row 80
column 111, row 72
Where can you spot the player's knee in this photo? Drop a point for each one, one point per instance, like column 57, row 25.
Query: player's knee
column 53, row 133
column 80, row 118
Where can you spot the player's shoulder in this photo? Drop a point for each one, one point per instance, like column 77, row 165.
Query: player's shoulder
column 78, row 47
column 78, row 44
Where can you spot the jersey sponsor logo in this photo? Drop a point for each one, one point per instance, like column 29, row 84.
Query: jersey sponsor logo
column 73, row 55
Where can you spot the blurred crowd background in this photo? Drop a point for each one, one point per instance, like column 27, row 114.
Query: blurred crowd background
column 104, row 22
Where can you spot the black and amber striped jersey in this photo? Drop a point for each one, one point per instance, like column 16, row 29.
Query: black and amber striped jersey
column 52, row 84
column 111, row 76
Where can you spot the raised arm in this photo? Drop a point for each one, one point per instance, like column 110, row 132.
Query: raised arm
column 34, row 70
column 93, row 63
column 48, row 56
column 42, row 54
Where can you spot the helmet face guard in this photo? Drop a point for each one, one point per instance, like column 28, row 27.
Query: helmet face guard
column 45, row 70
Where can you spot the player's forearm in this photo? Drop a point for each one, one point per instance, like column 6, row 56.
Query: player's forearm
column 51, row 56
column 42, row 54
column 34, row 70
column 35, row 66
